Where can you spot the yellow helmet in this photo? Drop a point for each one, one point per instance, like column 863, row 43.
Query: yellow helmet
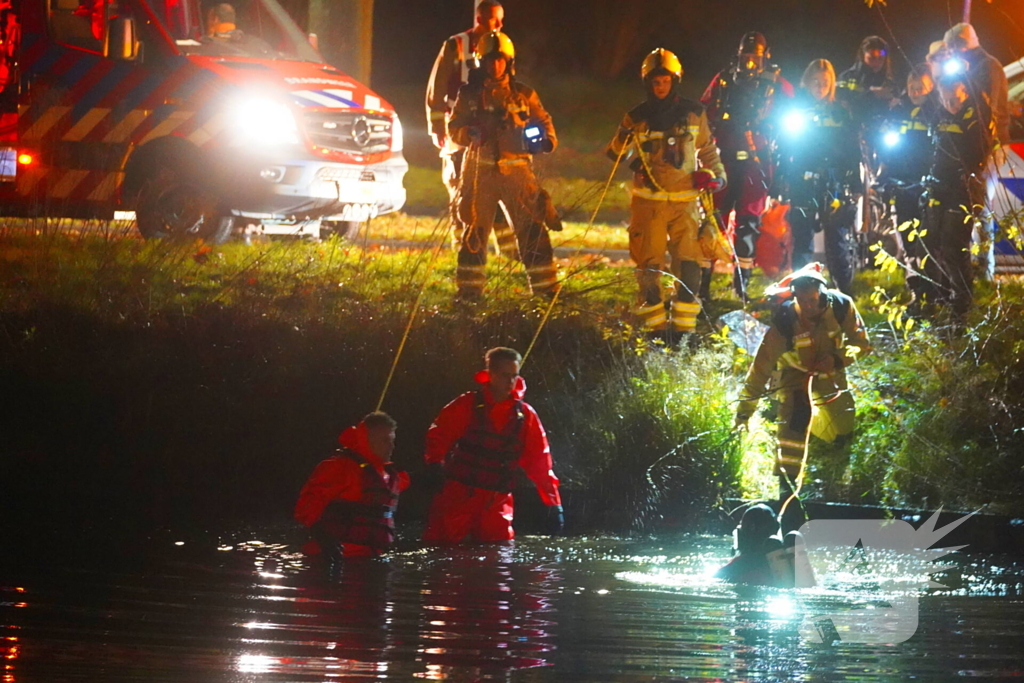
column 661, row 59
column 495, row 42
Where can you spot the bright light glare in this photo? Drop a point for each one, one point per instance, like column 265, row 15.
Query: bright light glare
column 780, row 607
column 397, row 137
column 952, row 67
column 891, row 139
column 253, row 664
column 794, row 122
column 264, row 121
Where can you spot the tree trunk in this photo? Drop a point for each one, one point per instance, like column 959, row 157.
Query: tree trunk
column 344, row 30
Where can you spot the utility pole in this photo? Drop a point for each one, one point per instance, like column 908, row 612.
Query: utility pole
column 344, row 30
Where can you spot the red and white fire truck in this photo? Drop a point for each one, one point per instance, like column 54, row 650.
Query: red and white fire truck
column 116, row 106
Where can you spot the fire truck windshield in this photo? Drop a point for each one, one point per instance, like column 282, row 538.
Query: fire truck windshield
column 239, row 28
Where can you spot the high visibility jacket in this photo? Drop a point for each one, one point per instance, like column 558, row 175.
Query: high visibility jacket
column 853, row 90
column 450, row 72
column 909, row 159
column 490, row 119
column 804, row 346
column 353, row 493
column 533, row 451
column 961, row 147
column 667, row 149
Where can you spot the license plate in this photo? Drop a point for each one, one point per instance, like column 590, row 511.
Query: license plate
column 358, row 212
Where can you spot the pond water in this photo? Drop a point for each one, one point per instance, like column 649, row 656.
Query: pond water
column 248, row 606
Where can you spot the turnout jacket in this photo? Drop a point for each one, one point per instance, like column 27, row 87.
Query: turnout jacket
column 668, row 141
column 455, row 418
column 845, row 341
column 489, row 119
column 450, row 72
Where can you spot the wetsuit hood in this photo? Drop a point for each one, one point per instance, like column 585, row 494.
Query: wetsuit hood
column 483, row 378
column 357, row 438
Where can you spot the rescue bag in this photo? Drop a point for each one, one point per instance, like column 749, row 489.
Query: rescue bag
column 773, row 253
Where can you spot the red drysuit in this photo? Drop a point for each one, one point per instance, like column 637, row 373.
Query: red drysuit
column 462, row 512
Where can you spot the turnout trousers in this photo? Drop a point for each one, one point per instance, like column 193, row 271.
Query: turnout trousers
column 827, row 413
column 483, row 186
column 465, row 513
column 656, row 227
column 451, row 167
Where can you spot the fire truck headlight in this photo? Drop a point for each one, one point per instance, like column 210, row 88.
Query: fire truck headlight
column 892, row 138
column 397, row 140
column 794, row 122
column 265, row 122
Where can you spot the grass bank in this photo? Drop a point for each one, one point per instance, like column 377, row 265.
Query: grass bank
column 149, row 383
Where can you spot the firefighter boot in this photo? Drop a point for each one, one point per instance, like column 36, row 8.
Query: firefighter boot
column 740, row 282
column 705, row 284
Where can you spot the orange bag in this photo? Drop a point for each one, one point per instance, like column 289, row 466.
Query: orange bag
column 774, row 250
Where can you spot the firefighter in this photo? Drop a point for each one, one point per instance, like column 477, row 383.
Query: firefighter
column 819, row 172
column 674, row 160
column 452, row 68
column 349, row 501
column 955, row 196
column 905, row 151
column 502, row 124
column 482, row 440
column 814, row 335
column 739, row 102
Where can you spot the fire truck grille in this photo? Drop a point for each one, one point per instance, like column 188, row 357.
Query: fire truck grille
column 351, row 131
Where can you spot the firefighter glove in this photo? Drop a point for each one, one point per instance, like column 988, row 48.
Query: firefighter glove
column 706, row 180
column 555, row 520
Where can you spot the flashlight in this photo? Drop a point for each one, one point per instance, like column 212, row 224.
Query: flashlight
column 794, row 122
column 954, row 67
column 891, row 139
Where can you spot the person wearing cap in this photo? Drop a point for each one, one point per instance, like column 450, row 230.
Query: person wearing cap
column 867, row 87
column 987, row 87
column 483, row 441
column 815, row 334
column 348, row 503
column 502, row 124
column 452, row 68
column 667, row 142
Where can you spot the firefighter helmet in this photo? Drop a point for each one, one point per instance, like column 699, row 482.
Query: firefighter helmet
column 495, row 42
column 661, row 62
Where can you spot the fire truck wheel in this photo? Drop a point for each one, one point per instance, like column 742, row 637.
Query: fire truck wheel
column 173, row 206
column 344, row 229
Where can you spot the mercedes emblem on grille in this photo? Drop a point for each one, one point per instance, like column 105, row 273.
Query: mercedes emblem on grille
column 361, row 131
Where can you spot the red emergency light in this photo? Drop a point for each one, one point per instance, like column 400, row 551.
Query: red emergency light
column 26, row 159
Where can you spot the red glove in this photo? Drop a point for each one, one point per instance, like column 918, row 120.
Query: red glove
column 706, row 180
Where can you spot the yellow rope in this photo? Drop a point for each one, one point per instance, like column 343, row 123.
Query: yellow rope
column 590, row 224
column 412, row 316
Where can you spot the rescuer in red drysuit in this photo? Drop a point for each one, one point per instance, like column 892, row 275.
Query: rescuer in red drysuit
column 349, row 501
column 482, row 439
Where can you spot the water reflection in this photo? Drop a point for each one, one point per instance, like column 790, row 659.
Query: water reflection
column 483, row 612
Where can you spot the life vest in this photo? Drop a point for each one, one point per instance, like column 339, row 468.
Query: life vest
column 486, row 459
column 370, row 520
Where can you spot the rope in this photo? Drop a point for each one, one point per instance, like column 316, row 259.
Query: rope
column 590, row 224
column 412, row 317
column 795, row 490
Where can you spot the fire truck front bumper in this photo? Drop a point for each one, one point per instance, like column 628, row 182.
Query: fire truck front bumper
column 315, row 188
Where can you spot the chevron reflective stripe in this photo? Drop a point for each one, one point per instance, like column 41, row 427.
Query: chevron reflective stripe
column 105, row 189
column 124, row 129
column 209, row 130
column 542, row 278
column 67, row 181
column 653, row 317
column 85, row 124
column 745, row 263
column 327, row 98
column 684, row 316
column 680, row 196
column 45, row 122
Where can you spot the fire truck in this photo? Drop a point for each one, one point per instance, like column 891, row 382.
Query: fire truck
column 196, row 125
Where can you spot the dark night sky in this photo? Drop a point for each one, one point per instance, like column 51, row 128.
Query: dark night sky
column 573, row 36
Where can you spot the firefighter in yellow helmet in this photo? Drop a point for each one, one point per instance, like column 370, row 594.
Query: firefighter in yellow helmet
column 502, row 124
column 674, row 160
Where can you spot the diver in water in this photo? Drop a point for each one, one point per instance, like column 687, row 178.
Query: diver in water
column 763, row 556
